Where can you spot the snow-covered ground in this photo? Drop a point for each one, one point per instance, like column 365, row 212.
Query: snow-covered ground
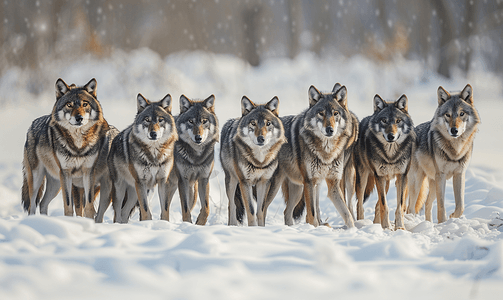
column 57, row 257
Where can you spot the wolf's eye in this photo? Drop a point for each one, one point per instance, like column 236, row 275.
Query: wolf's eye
column 205, row 121
column 191, row 121
column 398, row 121
column 161, row 119
column 253, row 123
column 448, row 115
column 321, row 113
column 462, row 113
column 69, row 105
column 384, row 121
column 85, row 104
column 336, row 113
column 268, row 123
column 147, row 119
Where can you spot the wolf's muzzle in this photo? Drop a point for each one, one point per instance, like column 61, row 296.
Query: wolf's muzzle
column 153, row 135
column 78, row 119
column 198, row 139
column 329, row 131
column 454, row 132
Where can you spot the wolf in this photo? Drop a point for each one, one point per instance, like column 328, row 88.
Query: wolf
column 318, row 146
column 194, row 156
column 68, row 149
column 141, row 156
column 249, row 157
column 444, row 149
column 383, row 152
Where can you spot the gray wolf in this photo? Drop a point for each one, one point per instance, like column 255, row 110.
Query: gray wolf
column 198, row 132
column 444, row 149
column 141, row 156
column 68, row 150
column 383, row 152
column 319, row 142
column 249, row 157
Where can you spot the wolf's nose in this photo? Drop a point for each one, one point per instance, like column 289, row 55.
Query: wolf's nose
column 454, row 131
column 153, row 135
column 391, row 137
column 198, row 138
column 260, row 139
column 79, row 118
column 329, row 130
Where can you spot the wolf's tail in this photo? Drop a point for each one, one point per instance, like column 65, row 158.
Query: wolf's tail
column 423, row 194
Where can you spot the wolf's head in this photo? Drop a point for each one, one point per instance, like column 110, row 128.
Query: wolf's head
column 197, row 122
column 154, row 122
column 76, row 106
column 260, row 125
column 456, row 111
column 328, row 113
column 391, row 120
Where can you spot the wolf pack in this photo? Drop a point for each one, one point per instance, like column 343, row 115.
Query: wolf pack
column 75, row 150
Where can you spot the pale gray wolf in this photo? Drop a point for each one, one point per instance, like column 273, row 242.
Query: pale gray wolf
column 319, row 142
column 444, row 149
column 198, row 132
column 141, row 156
column 249, row 157
column 383, row 152
column 68, row 148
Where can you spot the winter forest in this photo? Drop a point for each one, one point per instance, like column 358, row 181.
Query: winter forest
column 261, row 49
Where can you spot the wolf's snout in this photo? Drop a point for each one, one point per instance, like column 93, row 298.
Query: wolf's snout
column 198, row 139
column 390, row 137
column 329, row 131
column 454, row 131
column 79, row 118
column 260, row 139
column 153, row 135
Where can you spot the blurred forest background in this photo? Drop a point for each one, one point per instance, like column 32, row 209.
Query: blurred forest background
column 442, row 34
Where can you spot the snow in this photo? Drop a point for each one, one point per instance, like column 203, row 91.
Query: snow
column 59, row 257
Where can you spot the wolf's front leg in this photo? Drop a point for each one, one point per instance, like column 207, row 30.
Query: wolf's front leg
column 203, row 188
column 383, row 205
column 310, row 196
column 440, row 179
column 248, row 201
column 186, row 193
column 88, row 180
column 458, row 182
column 141, row 191
column 66, row 186
column 400, row 201
column 171, row 187
column 262, row 188
column 335, row 194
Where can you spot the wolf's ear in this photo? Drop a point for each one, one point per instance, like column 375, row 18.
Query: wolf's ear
column 142, row 102
column 467, row 94
column 336, row 87
column 90, row 87
column 185, row 104
column 443, row 95
column 314, row 96
column 165, row 103
column 341, row 96
column 379, row 103
column 273, row 106
column 246, row 105
column 209, row 103
column 402, row 103
column 61, row 88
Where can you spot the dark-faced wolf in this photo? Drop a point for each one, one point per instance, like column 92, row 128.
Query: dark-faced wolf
column 249, row 157
column 318, row 146
column 383, row 152
column 197, row 127
column 141, row 156
column 68, row 148
column 444, row 149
